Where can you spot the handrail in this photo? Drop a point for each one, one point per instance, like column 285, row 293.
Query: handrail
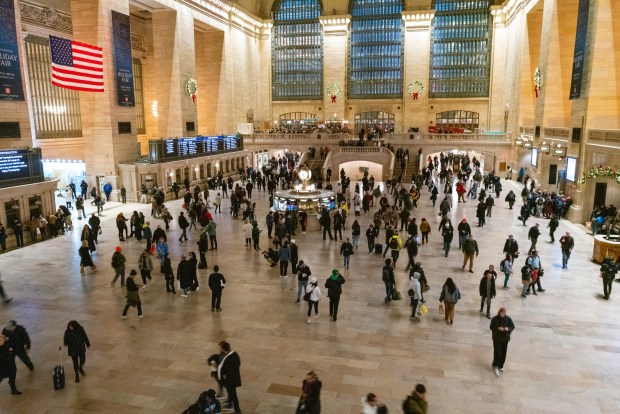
column 406, row 137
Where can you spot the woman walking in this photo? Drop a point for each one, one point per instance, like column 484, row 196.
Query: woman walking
column 146, row 266
column 133, row 298
column 310, row 400
column 356, row 230
column 314, row 296
column 450, row 296
column 88, row 236
column 501, row 327
column 85, row 259
column 425, row 229
column 415, row 293
column 76, row 342
column 505, row 266
column 285, row 257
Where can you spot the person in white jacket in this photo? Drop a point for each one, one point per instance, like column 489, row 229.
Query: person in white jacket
column 247, row 233
column 372, row 405
column 415, row 293
column 315, row 295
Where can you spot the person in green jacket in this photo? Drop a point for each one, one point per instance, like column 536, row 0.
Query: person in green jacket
column 147, row 233
column 211, row 231
column 416, row 403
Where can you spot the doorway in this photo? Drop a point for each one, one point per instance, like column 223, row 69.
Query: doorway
column 553, row 174
column 600, row 191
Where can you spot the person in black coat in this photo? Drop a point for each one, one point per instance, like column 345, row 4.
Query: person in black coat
column 310, row 398
column 203, row 246
column 487, row 289
column 501, row 327
column 193, row 261
column 228, row 373
column 19, row 341
column 76, row 342
column 7, row 364
column 216, row 284
column 184, row 274
column 334, row 290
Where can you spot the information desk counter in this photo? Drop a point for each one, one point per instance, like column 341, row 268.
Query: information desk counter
column 604, row 248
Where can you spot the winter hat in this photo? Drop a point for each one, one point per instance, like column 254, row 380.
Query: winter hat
column 335, row 274
column 416, row 275
column 313, row 279
column 118, row 249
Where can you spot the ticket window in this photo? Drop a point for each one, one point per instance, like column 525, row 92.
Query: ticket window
column 12, row 213
column 35, row 207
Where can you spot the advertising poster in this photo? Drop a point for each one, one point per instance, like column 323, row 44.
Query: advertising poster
column 580, row 49
column 123, row 63
column 10, row 76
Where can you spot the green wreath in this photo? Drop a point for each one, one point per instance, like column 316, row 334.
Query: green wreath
column 411, row 89
column 191, row 88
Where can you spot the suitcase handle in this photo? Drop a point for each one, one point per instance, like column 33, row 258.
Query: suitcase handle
column 60, row 352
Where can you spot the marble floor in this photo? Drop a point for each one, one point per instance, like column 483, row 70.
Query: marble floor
column 564, row 355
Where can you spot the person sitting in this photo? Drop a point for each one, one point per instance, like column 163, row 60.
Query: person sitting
column 271, row 256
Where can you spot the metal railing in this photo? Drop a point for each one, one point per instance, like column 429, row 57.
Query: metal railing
column 406, row 137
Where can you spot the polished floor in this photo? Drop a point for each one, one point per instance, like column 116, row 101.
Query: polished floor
column 564, row 355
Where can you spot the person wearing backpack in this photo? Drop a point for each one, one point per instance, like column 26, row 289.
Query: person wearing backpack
column 334, row 290
column 450, row 295
column 395, row 244
column 505, row 266
column 312, row 295
column 346, row 250
column 118, row 264
column 417, row 402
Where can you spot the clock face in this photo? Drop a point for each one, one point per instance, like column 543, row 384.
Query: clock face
column 304, row 175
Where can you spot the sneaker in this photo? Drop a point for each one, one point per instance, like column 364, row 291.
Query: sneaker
column 523, row 296
column 309, row 320
column 123, row 317
column 496, row 371
column 541, row 290
column 316, row 316
column 501, row 369
column 284, row 277
column 218, row 309
column 141, row 316
column 144, row 287
column 197, row 288
column 184, row 296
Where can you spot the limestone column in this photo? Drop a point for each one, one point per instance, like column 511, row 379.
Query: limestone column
column 175, row 62
column 599, row 105
column 418, row 26
column 335, row 36
column 100, row 113
column 264, row 112
column 497, row 84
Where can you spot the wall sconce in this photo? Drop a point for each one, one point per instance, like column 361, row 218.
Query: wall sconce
column 154, row 109
column 559, row 151
column 171, row 174
column 519, row 142
column 527, row 145
column 544, row 147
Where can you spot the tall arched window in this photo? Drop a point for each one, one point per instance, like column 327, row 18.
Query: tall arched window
column 460, row 49
column 297, row 50
column 376, row 49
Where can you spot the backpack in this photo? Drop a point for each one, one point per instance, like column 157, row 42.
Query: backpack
column 406, row 409
column 501, row 265
column 116, row 261
column 393, row 243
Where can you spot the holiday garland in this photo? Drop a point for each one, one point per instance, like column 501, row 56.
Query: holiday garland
column 334, row 90
column 537, row 81
column 600, row 172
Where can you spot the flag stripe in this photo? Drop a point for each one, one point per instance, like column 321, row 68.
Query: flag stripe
column 71, row 71
column 76, row 65
column 77, row 79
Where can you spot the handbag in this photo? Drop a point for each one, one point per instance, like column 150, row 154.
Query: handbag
column 307, row 296
column 396, row 295
column 301, row 407
column 441, row 308
column 410, row 292
column 425, row 288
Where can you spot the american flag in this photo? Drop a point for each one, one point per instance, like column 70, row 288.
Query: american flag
column 76, row 65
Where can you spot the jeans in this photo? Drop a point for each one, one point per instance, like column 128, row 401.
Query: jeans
column 462, row 238
column 607, row 283
column 301, row 287
column 333, row 306
column 19, row 238
column 424, row 237
column 283, row 268
column 346, row 261
column 33, row 236
column 533, row 244
column 316, row 307
column 489, row 211
column 216, row 299
column 395, row 254
column 500, row 348
column 371, row 245
column 565, row 257
column 120, row 271
column 355, row 240
column 213, row 241
column 446, row 247
column 138, row 305
column 488, row 302
column 389, row 287
column 506, row 277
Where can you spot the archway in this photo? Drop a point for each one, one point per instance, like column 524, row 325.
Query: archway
column 457, row 155
column 355, row 170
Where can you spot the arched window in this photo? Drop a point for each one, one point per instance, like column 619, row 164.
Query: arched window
column 376, row 49
column 457, row 121
column 297, row 50
column 374, row 122
column 460, row 49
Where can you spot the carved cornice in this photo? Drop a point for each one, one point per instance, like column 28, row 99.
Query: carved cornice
column 43, row 16
column 137, row 42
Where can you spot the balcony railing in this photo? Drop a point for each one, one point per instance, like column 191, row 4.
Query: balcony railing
column 388, row 138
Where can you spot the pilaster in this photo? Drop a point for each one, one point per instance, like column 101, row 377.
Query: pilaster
column 335, row 37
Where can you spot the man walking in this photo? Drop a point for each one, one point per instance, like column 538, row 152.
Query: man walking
column 228, row 374
column 533, row 262
column 19, row 341
column 334, row 290
column 212, row 232
column 511, row 247
column 183, row 225
column 118, row 264
column 216, row 284
column 303, row 274
column 470, row 248
column 553, row 225
column 532, row 235
column 388, row 279
column 464, row 230
column 608, row 273
column 501, row 327
column 395, row 244
column 346, row 250
column 567, row 243
column 487, row 289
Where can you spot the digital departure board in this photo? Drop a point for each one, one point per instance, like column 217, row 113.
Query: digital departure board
column 170, row 149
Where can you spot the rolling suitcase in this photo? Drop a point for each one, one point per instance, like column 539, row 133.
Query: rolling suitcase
column 58, row 374
column 378, row 248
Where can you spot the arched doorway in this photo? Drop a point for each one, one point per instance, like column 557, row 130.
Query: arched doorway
column 456, row 157
column 355, row 170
